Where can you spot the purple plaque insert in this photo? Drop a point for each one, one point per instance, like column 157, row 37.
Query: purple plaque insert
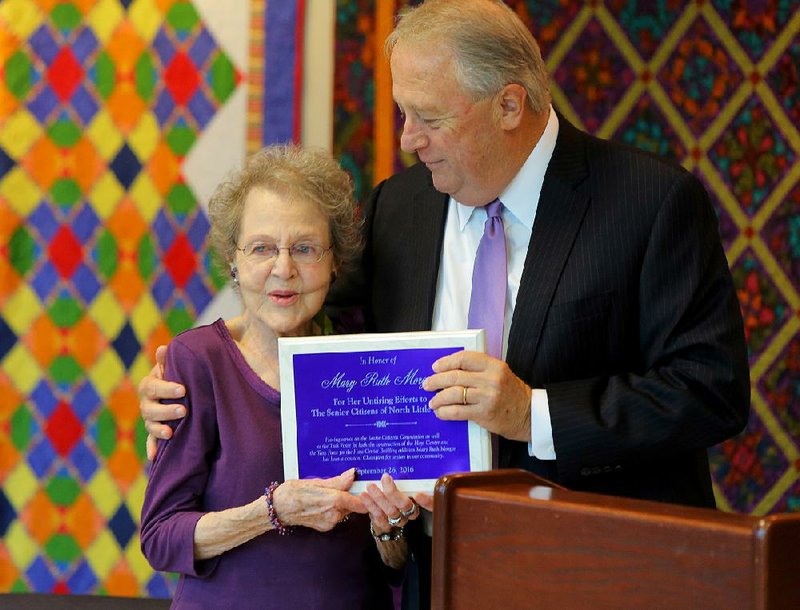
column 368, row 410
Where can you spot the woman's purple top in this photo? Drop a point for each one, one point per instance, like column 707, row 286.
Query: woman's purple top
column 223, row 454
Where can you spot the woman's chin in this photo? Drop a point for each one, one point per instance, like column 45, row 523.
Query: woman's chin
column 291, row 328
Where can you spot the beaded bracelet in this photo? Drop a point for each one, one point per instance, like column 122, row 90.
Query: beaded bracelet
column 394, row 535
column 279, row 527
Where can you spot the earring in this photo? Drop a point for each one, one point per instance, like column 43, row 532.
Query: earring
column 235, row 275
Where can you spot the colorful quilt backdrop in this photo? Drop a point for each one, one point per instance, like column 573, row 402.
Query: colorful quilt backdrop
column 107, row 109
column 711, row 84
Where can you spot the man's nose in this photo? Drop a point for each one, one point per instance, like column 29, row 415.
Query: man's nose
column 412, row 139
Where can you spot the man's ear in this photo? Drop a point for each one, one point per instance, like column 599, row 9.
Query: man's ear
column 511, row 101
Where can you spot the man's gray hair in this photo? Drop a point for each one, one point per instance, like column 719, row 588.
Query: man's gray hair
column 491, row 46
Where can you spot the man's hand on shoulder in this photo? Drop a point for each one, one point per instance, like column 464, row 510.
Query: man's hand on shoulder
column 152, row 389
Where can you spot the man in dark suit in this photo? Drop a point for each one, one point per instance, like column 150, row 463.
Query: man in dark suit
column 623, row 317
column 623, row 355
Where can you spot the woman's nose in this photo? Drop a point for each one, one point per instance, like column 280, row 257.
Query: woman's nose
column 283, row 265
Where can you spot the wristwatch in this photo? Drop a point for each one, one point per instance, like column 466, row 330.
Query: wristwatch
column 394, row 535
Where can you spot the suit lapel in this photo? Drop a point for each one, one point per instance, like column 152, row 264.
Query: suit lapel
column 562, row 207
column 426, row 235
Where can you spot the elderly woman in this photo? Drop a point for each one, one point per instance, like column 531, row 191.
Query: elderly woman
column 216, row 509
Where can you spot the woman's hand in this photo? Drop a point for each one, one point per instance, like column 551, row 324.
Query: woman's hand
column 388, row 506
column 316, row 503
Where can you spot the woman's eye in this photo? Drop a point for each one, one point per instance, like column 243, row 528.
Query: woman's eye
column 260, row 249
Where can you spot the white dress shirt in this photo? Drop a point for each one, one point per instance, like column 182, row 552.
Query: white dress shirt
column 462, row 234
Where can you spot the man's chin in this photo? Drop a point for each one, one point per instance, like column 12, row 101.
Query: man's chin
column 441, row 184
column 457, row 193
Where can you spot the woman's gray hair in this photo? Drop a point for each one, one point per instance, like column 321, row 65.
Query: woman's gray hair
column 491, row 46
column 294, row 173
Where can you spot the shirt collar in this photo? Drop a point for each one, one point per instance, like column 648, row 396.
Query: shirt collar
column 521, row 196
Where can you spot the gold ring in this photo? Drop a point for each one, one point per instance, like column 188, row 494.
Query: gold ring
column 463, row 395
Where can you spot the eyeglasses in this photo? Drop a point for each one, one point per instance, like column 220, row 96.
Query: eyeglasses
column 302, row 253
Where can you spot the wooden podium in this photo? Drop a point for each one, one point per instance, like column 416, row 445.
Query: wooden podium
column 509, row 539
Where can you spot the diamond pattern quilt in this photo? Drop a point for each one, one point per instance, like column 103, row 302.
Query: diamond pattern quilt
column 111, row 114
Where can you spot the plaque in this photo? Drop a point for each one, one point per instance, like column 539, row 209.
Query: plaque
column 357, row 401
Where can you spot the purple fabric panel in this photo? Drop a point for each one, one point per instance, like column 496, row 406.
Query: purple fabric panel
column 281, row 54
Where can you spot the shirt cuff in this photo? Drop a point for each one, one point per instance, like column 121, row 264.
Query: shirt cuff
column 541, row 445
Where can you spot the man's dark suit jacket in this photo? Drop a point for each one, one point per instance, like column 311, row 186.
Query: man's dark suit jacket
column 626, row 315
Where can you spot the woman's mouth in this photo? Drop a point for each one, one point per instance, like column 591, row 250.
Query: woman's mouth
column 283, row 298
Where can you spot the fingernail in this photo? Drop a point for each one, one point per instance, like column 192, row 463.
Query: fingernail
column 178, row 392
column 180, row 411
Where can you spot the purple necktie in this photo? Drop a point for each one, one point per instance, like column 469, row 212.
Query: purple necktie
column 487, row 306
